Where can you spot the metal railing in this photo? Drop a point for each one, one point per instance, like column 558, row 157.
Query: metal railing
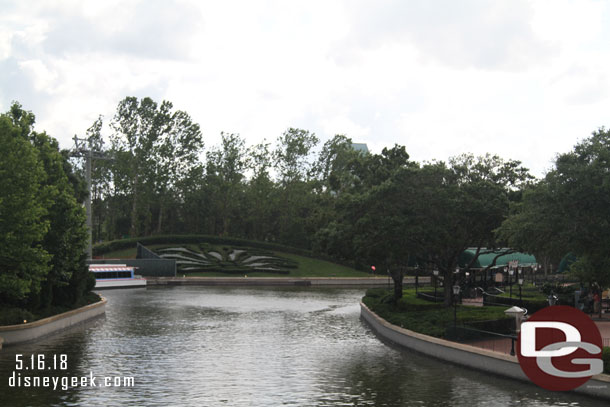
column 496, row 342
column 427, row 296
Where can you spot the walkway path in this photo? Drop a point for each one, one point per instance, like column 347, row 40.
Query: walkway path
column 503, row 345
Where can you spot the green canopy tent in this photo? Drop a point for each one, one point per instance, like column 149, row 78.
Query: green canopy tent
column 486, row 258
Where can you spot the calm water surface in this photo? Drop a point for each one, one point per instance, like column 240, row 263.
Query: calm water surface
column 208, row 346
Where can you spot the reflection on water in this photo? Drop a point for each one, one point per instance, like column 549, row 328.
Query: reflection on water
column 210, row 346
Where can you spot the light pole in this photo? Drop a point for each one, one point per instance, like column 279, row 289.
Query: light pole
column 517, row 313
column 435, row 272
column 456, row 293
column 89, row 149
column 456, row 276
column 511, row 271
column 520, row 285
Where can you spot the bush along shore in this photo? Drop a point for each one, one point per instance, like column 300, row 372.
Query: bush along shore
column 43, row 235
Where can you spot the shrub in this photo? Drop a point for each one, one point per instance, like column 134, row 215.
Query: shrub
column 424, row 316
column 14, row 316
column 606, row 359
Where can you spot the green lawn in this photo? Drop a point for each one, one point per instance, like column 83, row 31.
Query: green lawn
column 529, row 292
column 307, row 266
column 424, row 316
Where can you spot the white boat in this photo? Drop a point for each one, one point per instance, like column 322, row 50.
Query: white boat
column 116, row 276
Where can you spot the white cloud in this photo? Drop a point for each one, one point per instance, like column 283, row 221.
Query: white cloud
column 521, row 79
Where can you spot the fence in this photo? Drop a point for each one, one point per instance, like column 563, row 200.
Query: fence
column 496, row 342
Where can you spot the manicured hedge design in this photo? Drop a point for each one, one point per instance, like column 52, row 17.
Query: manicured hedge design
column 201, row 258
column 113, row 245
column 102, row 248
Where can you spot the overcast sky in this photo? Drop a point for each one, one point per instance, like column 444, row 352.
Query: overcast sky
column 522, row 79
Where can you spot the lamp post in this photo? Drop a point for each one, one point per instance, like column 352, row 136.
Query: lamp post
column 456, row 293
column 517, row 313
column 456, row 276
column 511, row 271
column 435, row 272
column 520, row 281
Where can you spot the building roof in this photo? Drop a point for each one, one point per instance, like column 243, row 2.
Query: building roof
column 486, row 259
column 360, row 147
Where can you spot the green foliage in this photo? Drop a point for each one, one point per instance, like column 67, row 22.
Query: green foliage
column 67, row 236
column 606, row 359
column 14, row 315
column 567, row 211
column 42, row 226
column 402, row 214
column 226, row 260
column 114, row 245
column 24, row 205
column 424, row 316
column 156, row 151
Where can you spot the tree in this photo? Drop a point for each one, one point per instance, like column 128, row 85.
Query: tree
column 224, row 178
column 24, row 263
column 460, row 206
column 335, row 163
column 261, row 195
column 374, row 216
column 400, row 214
column 154, row 150
column 567, row 211
column 292, row 153
column 56, row 270
column 67, row 280
column 296, row 205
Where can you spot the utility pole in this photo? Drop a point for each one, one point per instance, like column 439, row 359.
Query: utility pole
column 89, row 149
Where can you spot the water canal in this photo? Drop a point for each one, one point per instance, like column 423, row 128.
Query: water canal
column 211, row 346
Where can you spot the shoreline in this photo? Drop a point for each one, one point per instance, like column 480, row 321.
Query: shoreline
column 339, row 282
column 31, row 331
column 468, row 356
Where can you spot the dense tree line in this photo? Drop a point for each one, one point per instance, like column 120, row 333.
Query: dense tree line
column 368, row 209
column 42, row 223
column 568, row 211
column 381, row 209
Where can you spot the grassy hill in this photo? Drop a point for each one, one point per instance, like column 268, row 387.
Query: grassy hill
column 194, row 259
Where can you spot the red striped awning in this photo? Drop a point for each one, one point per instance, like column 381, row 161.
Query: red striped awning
column 110, row 267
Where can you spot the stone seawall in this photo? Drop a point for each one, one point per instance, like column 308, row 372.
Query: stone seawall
column 281, row 281
column 469, row 356
column 15, row 334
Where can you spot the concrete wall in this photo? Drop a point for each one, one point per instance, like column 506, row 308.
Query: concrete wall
column 469, row 356
column 14, row 334
column 279, row 281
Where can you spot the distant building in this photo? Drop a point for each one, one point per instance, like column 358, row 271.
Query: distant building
column 360, row 147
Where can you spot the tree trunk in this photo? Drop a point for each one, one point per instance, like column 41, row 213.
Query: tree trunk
column 397, row 275
column 134, row 208
column 160, row 218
